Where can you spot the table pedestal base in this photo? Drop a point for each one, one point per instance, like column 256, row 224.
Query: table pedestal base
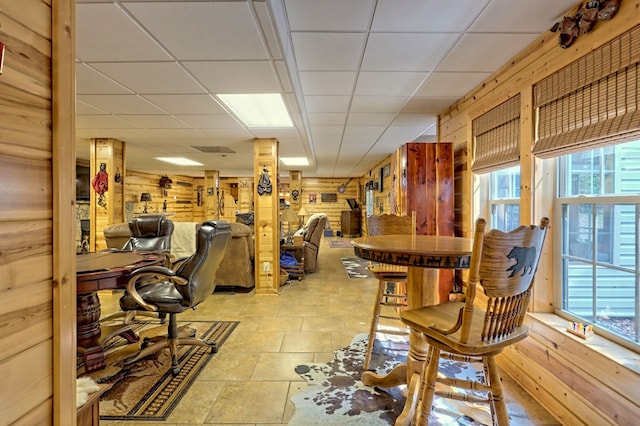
column 92, row 349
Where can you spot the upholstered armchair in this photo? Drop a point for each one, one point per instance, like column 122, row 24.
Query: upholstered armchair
column 237, row 266
column 167, row 291
column 312, row 235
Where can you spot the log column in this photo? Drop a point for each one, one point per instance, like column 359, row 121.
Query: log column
column 111, row 153
column 267, row 226
column 211, row 194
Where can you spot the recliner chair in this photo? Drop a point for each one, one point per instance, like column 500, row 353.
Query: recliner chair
column 163, row 290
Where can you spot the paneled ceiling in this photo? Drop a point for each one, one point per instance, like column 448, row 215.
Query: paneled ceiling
column 359, row 77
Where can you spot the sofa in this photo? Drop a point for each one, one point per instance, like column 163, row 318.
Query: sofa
column 237, row 266
column 312, row 233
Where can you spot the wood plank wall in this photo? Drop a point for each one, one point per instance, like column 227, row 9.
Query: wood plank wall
column 26, row 215
column 572, row 378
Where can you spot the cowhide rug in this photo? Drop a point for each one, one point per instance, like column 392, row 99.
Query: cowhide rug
column 336, row 396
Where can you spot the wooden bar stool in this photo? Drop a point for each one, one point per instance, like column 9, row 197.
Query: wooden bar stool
column 391, row 297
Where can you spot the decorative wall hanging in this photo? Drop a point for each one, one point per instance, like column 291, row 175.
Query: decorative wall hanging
column 264, row 183
column 199, row 191
column 329, row 198
column 294, row 194
column 165, row 183
column 118, row 177
column 583, row 21
column 100, row 184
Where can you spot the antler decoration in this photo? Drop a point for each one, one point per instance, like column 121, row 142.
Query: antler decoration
column 583, row 21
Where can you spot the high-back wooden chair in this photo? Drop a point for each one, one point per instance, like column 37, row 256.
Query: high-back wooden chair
column 504, row 265
column 391, row 297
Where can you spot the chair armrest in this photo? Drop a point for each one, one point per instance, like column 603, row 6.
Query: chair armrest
column 141, row 275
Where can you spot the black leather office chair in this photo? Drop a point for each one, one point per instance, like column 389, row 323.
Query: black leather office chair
column 163, row 290
column 150, row 233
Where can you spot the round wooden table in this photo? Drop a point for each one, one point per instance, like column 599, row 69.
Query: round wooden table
column 423, row 255
column 103, row 271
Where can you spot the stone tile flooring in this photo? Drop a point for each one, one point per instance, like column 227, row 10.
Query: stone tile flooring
column 250, row 380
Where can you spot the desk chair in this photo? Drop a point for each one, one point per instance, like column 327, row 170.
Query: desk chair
column 392, row 280
column 504, row 264
column 163, row 290
column 150, row 233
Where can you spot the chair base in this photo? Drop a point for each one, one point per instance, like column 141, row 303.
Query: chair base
column 130, row 316
column 175, row 337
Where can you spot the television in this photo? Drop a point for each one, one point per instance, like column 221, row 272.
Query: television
column 353, row 204
column 83, row 183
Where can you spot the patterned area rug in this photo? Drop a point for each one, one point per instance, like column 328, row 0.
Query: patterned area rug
column 146, row 390
column 356, row 267
column 336, row 396
column 340, row 244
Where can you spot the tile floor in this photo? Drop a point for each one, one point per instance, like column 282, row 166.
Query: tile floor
column 250, row 380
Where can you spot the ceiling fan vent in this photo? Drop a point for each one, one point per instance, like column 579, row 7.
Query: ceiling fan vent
column 214, row 149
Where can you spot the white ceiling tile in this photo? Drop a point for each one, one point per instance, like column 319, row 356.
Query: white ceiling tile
column 418, row 120
column 194, row 30
column 97, row 39
column 426, row 15
column 228, row 133
column 389, row 83
column 236, row 76
column 156, row 121
column 121, row 104
column 212, row 121
column 103, row 122
column 90, row 82
column 168, row 77
column 327, row 103
column 528, row 16
column 328, row 51
column 366, row 132
column 370, row 119
column 484, row 52
column 391, row 104
column 329, row 15
column 327, row 82
column 274, row 133
column 406, row 51
column 187, row 104
column 326, row 132
column 327, row 118
column 425, row 105
column 84, row 108
column 450, row 84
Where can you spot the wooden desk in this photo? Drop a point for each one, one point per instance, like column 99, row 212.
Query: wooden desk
column 424, row 255
column 103, row 271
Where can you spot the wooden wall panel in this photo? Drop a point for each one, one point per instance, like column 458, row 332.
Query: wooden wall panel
column 567, row 375
column 37, row 269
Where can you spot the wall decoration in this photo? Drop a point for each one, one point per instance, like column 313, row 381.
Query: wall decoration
column 264, row 183
column 100, row 184
column 199, row 191
column 294, row 194
column 312, row 198
column 329, row 198
column 387, row 169
column 165, row 184
column 583, row 21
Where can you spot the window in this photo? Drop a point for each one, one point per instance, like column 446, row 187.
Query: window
column 599, row 204
column 499, row 198
column 504, row 198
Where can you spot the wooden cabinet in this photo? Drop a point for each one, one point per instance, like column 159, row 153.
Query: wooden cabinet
column 350, row 223
column 425, row 185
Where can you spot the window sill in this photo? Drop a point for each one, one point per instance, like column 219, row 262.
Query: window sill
column 608, row 349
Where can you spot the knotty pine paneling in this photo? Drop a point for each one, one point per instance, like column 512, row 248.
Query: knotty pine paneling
column 568, row 376
column 313, row 188
column 26, row 215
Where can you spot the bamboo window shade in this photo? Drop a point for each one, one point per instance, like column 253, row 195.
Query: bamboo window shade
column 497, row 137
column 591, row 102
